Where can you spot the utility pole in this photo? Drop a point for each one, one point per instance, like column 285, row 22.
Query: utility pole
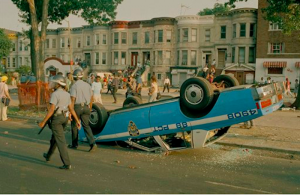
column 70, row 48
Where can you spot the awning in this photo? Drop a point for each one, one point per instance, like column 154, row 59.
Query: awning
column 297, row 64
column 275, row 64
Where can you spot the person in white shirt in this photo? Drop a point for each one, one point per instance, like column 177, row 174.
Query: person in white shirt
column 97, row 88
column 167, row 84
column 213, row 64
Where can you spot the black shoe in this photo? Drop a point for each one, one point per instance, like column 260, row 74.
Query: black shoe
column 45, row 155
column 67, row 167
column 93, row 148
column 72, row 147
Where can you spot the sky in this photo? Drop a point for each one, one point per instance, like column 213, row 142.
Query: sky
column 129, row 10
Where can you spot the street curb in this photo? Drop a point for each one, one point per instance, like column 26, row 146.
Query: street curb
column 25, row 117
column 290, row 151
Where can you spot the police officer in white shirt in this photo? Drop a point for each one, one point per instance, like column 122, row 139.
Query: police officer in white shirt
column 61, row 101
column 82, row 99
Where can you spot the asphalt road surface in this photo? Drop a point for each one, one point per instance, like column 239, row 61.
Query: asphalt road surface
column 112, row 169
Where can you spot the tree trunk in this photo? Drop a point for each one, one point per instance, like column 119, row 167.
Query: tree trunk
column 35, row 36
column 32, row 56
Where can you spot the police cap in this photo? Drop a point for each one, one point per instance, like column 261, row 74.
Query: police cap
column 59, row 79
column 78, row 73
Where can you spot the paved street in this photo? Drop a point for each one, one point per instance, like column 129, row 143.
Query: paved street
column 112, row 169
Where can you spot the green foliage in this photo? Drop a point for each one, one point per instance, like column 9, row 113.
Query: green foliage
column 24, row 69
column 284, row 12
column 92, row 11
column 5, row 44
column 219, row 8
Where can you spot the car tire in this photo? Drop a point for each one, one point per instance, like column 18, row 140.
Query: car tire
column 196, row 93
column 132, row 101
column 229, row 81
column 98, row 118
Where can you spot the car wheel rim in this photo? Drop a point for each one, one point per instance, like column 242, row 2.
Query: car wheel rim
column 194, row 94
column 94, row 117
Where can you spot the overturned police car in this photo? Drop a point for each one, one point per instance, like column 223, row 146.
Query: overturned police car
column 201, row 115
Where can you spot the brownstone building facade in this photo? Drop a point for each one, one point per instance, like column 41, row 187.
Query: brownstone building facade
column 278, row 54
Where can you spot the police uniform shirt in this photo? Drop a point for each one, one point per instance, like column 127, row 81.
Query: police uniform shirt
column 60, row 98
column 82, row 91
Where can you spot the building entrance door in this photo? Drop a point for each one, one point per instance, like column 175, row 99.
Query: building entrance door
column 134, row 58
column 146, row 57
column 221, row 58
column 240, row 77
column 88, row 59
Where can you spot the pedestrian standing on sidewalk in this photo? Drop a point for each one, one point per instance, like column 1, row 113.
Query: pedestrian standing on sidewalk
column 97, row 88
column 109, row 82
column 288, row 88
column 82, row 99
column 4, row 94
column 60, row 100
column 114, row 86
column 166, row 84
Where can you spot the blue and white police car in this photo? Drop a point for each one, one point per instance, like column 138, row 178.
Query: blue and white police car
column 201, row 115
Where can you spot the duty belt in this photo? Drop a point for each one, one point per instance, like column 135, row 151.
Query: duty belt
column 81, row 104
column 60, row 113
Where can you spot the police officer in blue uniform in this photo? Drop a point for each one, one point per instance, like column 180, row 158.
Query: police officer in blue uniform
column 82, row 99
column 61, row 101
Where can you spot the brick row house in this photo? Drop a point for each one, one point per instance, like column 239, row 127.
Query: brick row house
column 278, row 55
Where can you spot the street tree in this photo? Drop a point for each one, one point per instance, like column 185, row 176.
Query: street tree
column 286, row 14
column 217, row 9
column 39, row 13
column 5, row 44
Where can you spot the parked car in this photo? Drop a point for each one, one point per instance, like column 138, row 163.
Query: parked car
column 201, row 115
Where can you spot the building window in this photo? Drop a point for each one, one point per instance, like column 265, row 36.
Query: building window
column 124, row 37
column 223, row 32
column 147, row 37
column 123, row 58
column 251, row 55
column 184, row 57
column 69, row 43
column 8, row 62
column 47, row 43
column 185, row 35
column 160, row 58
column 97, row 39
column 53, row 43
column 62, row 42
column 26, row 61
column 252, row 30
column 104, row 39
column 233, row 55
column 78, row 42
column 207, row 35
column 116, row 58
column 20, row 61
column 274, row 26
column 241, row 54
column 276, row 48
column 242, row 30
column 275, row 70
column 178, row 57
column 194, row 35
column 103, row 58
column 26, row 47
column 178, row 35
column 21, row 46
column 169, row 36
column 160, row 36
column 116, row 38
column 168, row 57
column 193, row 57
column 158, row 76
column 14, row 62
column 14, row 47
column 234, row 30
column 88, row 40
column 97, row 58
column 134, row 38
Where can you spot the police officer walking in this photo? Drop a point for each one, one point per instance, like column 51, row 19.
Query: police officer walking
column 82, row 99
column 60, row 102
